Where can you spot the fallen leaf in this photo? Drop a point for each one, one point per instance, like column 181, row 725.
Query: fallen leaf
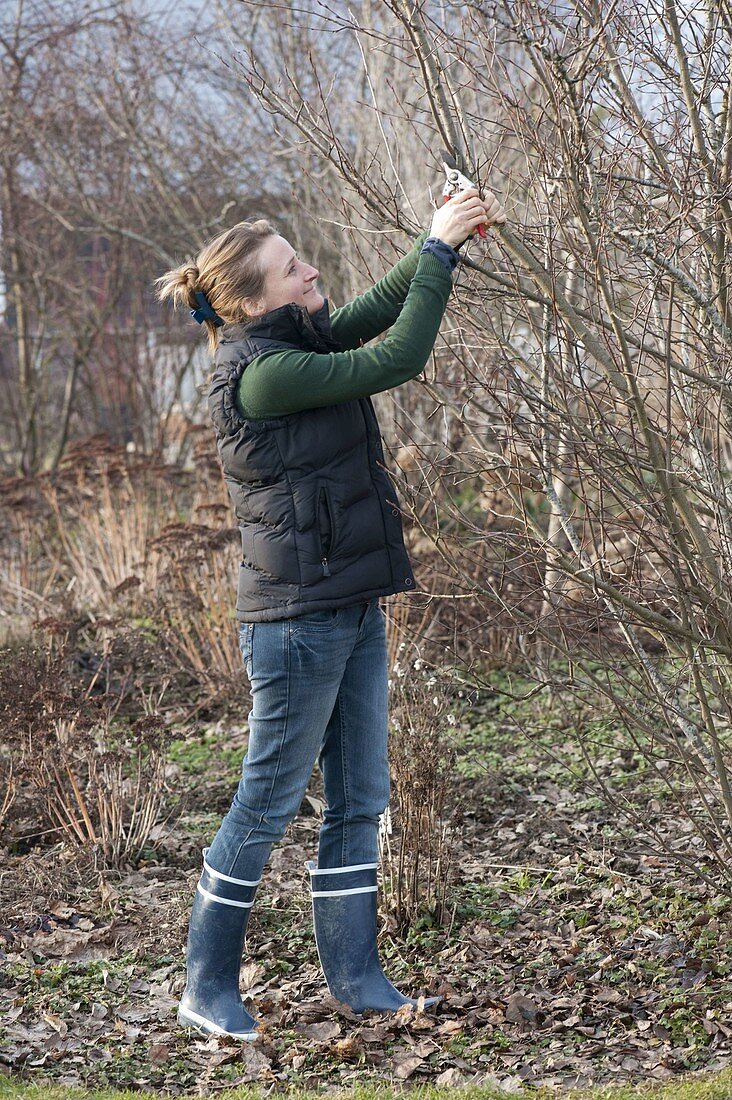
column 375, row 1034
column 423, row 1022
column 56, row 1023
column 251, row 973
column 311, row 1011
column 107, row 892
column 349, row 1049
column 158, row 1053
column 131, row 1014
column 321, row 1032
column 450, row 1079
column 68, row 943
column 522, row 1010
column 61, row 910
column 404, row 1065
column 449, row 1027
column 255, row 1060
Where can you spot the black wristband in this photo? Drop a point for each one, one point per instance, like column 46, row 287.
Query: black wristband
column 444, row 252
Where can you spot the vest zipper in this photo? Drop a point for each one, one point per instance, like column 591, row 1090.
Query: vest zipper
column 308, row 324
column 324, row 507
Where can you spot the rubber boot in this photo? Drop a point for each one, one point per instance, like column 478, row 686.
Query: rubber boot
column 344, row 915
column 211, row 1002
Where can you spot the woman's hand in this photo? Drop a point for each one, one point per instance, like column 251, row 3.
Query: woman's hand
column 460, row 217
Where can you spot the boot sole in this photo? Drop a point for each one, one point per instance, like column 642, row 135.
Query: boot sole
column 389, row 1010
column 207, row 1027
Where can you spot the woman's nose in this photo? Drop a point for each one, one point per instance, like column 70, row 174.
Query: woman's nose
column 313, row 273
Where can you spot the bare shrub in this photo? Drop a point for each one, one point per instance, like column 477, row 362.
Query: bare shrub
column 91, row 772
column 198, row 568
column 419, row 831
column 108, row 506
column 101, row 786
column 29, row 568
column 8, row 788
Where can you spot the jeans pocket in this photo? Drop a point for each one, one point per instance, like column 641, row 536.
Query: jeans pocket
column 246, row 641
column 316, row 619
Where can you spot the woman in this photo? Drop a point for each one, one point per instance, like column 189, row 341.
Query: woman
column 321, row 543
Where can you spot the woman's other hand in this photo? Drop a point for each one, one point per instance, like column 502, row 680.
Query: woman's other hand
column 459, row 218
column 495, row 213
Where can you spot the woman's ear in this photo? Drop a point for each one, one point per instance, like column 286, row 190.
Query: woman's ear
column 252, row 307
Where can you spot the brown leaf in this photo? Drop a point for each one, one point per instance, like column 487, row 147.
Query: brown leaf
column 251, row 973
column 450, row 1079
column 311, row 1011
column 608, row 996
column 107, row 892
column 423, row 1022
column 256, row 1061
column 317, row 805
column 375, row 1034
column 56, row 1023
column 61, row 910
column 68, row 943
column 449, row 1027
column 521, row 1010
column 158, row 1053
column 404, row 1065
column 341, row 1009
column 349, row 1049
column 134, row 1015
column 326, row 1029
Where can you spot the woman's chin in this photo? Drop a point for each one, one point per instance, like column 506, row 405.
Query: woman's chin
column 314, row 301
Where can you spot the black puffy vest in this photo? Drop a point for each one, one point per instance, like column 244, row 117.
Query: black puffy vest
column 319, row 516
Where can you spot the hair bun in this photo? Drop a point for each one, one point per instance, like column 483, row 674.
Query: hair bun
column 189, row 276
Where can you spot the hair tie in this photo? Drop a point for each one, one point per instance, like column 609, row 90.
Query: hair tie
column 205, row 311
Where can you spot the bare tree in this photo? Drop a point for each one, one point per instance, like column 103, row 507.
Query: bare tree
column 120, row 155
column 585, row 370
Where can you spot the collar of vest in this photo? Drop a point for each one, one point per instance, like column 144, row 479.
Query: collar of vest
column 288, row 326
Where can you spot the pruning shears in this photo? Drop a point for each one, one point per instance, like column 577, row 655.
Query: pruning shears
column 455, row 182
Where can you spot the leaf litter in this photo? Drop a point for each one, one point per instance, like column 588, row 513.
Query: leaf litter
column 572, row 957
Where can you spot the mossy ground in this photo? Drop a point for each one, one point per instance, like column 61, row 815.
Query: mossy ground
column 707, row 1086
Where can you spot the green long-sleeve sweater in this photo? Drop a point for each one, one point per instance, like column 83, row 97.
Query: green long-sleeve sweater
column 410, row 300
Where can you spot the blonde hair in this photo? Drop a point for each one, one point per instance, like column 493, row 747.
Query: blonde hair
column 227, row 272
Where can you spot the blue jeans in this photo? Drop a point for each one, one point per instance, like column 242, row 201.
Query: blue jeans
column 319, row 693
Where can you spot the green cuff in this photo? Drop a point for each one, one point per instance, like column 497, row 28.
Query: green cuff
column 429, row 265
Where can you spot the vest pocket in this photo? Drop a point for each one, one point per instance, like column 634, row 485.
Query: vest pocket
column 326, row 527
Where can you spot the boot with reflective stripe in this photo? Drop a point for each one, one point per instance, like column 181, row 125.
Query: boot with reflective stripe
column 344, row 915
column 211, row 1002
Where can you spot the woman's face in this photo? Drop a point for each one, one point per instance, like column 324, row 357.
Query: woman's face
column 287, row 279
